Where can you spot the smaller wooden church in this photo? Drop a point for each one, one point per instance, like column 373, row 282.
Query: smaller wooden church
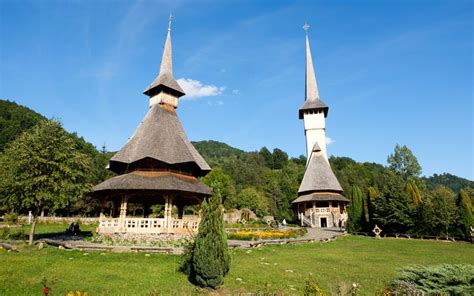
column 158, row 166
column 320, row 201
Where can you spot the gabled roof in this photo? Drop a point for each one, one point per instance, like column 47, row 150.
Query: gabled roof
column 312, row 99
column 318, row 176
column 165, row 79
column 160, row 136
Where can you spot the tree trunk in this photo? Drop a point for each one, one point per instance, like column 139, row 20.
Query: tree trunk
column 32, row 231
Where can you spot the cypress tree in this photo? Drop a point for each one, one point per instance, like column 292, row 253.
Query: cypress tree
column 210, row 257
column 371, row 198
column 464, row 214
column 356, row 210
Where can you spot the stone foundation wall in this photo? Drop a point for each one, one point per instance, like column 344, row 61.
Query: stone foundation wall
column 141, row 237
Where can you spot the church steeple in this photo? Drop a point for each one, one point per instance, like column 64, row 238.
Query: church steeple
column 165, row 89
column 312, row 100
column 314, row 111
column 311, row 84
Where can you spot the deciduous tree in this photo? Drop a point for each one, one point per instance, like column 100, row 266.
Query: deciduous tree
column 42, row 169
column 403, row 162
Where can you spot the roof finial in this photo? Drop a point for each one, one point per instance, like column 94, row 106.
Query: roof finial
column 306, row 27
column 170, row 18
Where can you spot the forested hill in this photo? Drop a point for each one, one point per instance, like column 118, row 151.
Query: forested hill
column 15, row 119
column 454, row 182
column 392, row 195
column 215, row 150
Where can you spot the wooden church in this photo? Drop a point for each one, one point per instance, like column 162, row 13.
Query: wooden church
column 158, row 166
column 320, row 201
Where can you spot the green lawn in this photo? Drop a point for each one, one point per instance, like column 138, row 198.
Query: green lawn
column 371, row 263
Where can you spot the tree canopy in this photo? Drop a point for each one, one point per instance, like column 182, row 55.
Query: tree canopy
column 403, row 162
column 42, row 169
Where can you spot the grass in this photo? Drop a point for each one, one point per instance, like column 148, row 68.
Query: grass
column 371, row 263
column 56, row 228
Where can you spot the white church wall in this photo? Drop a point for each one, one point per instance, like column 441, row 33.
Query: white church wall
column 314, row 125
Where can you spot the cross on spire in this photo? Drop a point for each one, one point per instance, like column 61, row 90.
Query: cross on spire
column 306, row 28
column 170, row 18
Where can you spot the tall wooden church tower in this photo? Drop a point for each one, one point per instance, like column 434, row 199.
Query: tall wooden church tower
column 157, row 166
column 320, row 202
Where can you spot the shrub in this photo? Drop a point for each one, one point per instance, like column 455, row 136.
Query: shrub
column 12, row 233
column 453, row 279
column 311, row 288
column 10, row 218
column 207, row 260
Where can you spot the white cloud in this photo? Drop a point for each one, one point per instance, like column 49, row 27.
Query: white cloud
column 195, row 88
column 329, row 141
column 216, row 103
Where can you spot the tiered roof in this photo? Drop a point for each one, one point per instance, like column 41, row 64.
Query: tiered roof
column 319, row 182
column 159, row 156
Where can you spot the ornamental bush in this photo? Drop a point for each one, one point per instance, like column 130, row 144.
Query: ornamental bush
column 450, row 279
column 207, row 260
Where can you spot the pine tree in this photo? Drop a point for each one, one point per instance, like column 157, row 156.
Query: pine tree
column 209, row 258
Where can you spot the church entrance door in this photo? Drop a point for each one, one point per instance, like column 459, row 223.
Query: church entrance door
column 324, row 222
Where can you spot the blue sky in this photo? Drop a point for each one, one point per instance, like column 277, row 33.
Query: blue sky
column 390, row 71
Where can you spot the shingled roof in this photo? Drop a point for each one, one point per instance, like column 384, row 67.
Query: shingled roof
column 163, row 181
column 161, row 137
column 321, row 197
column 165, row 79
column 312, row 99
column 318, row 176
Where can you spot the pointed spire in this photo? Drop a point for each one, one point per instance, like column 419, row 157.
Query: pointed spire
column 312, row 92
column 165, row 79
column 312, row 100
column 167, row 59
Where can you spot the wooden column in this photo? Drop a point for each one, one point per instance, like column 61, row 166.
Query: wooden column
column 168, row 212
column 165, row 216
column 123, row 213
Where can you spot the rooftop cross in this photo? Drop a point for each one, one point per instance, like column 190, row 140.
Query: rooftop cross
column 306, row 28
column 170, row 18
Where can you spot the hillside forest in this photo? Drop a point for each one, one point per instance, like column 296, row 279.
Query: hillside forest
column 395, row 196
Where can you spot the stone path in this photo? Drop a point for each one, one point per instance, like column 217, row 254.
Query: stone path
column 312, row 235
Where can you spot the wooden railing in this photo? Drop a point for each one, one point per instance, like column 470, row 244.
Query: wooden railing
column 148, row 225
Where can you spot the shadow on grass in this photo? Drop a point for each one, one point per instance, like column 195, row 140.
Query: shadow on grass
column 62, row 236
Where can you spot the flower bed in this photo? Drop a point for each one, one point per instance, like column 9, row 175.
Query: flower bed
column 267, row 234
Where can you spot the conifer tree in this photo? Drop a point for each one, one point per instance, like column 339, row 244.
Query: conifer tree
column 356, row 210
column 209, row 257
column 464, row 214
column 371, row 198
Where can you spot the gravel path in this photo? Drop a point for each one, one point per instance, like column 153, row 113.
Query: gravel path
column 316, row 234
column 313, row 234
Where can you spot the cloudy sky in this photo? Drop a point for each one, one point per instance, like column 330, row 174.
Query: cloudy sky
column 390, row 71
